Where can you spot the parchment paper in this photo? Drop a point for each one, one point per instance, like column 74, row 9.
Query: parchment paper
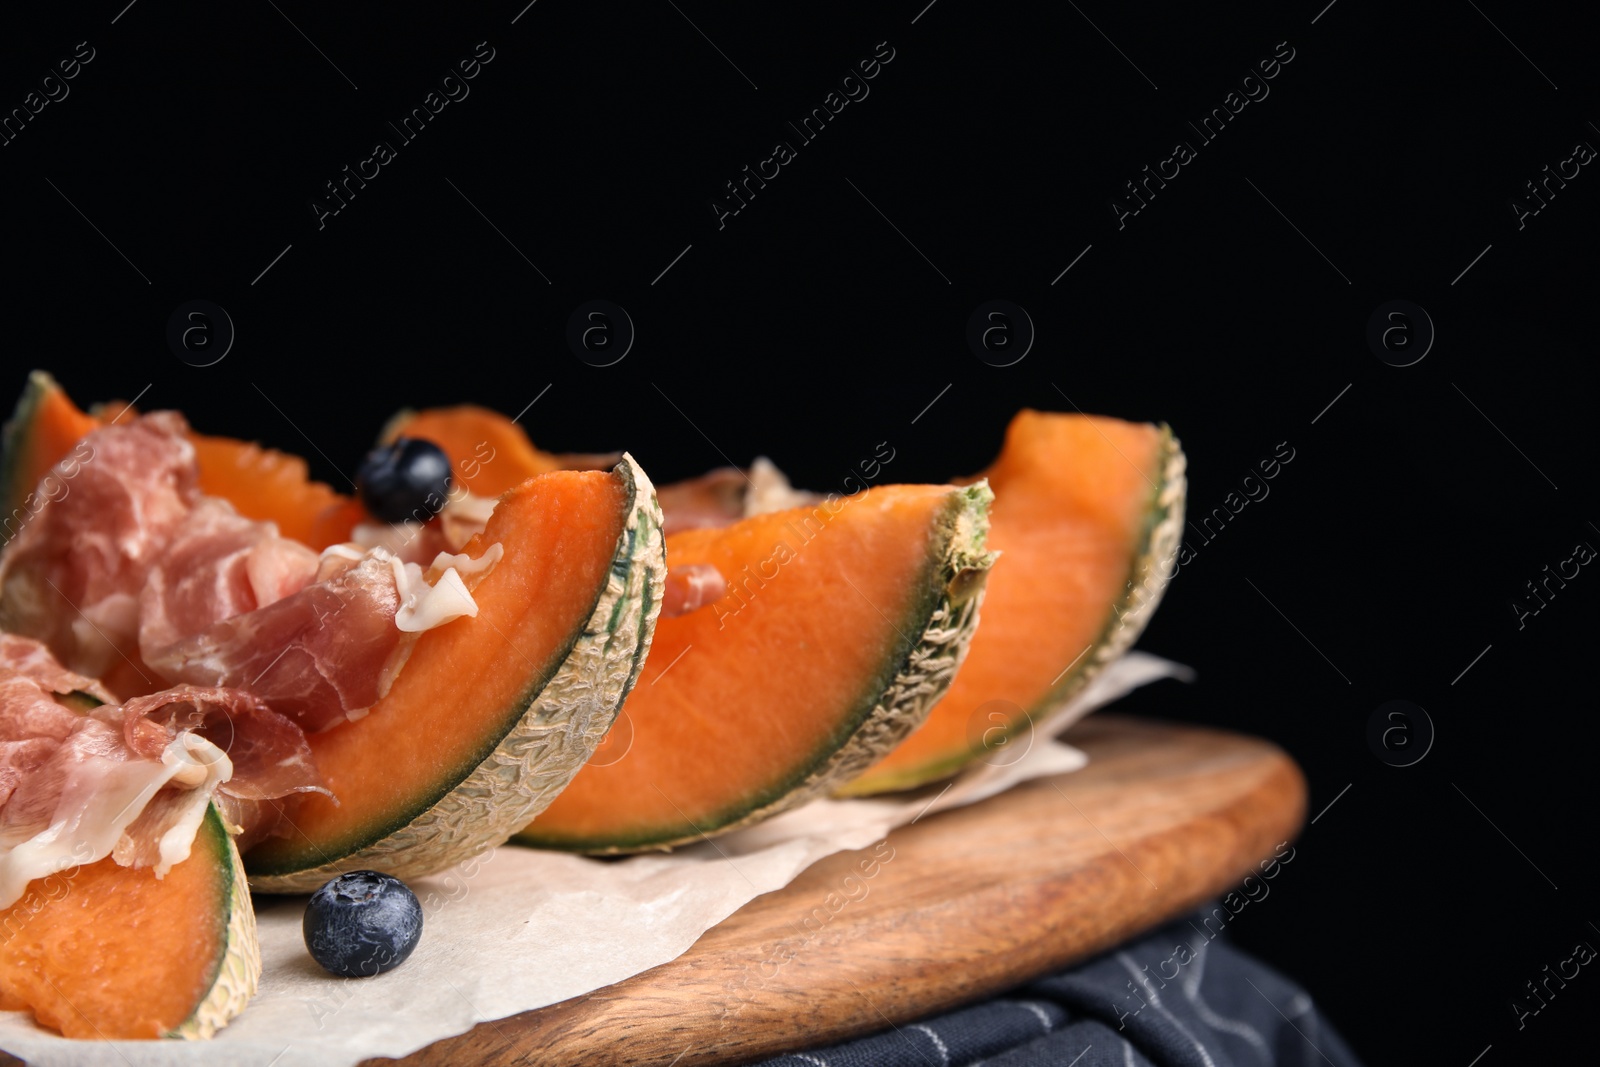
column 518, row 929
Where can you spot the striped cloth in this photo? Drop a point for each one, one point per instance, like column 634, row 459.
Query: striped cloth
column 1174, row 998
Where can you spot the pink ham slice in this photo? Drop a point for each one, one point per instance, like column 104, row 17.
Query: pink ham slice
column 32, row 727
column 714, row 499
column 134, row 572
column 28, row 657
column 270, row 756
column 690, row 587
column 72, row 575
column 53, row 759
column 321, row 655
column 74, row 792
column 217, row 565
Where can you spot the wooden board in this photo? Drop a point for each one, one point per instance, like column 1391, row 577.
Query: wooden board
column 957, row 907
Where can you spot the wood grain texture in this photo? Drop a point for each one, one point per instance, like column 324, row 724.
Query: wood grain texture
column 959, row 906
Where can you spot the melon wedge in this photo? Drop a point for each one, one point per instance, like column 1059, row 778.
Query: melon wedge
column 261, row 483
column 265, row 484
column 42, row 430
column 103, row 951
column 842, row 624
column 1087, row 519
column 488, row 452
column 493, row 714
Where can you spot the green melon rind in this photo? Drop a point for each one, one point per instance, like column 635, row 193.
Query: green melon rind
column 532, row 759
column 896, row 700
column 15, row 437
column 239, row 970
column 1150, row 571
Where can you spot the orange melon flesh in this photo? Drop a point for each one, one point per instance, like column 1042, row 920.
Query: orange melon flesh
column 467, row 683
column 488, row 452
column 741, row 699
column 45, row 427
column 103, row 951
column 265, row 484
column 1072, row 498
column 261, row 483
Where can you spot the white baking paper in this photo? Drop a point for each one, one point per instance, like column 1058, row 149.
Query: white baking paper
column 518, row 929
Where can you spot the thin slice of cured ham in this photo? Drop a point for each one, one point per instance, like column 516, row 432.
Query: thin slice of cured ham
column 31, row 658
column 690, row 587
column 725, row 495
column 134, row 568
column 218, row 564
column 72, row 575
column 269, row 753
column 131, row 781
column 316, row 656
column 329, row 651
column 76, row 797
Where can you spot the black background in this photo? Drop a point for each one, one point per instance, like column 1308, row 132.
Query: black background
column 809, row 328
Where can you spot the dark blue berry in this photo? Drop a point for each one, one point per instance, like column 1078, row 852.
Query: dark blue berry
column 362, row 923
column 408, row 478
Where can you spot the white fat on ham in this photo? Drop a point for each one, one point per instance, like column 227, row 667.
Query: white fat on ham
column 101, row 792
column 463, row 517
column 425, row 605
column 330, row 651
column 428, row 598
column 131, row 781
column 409, row 541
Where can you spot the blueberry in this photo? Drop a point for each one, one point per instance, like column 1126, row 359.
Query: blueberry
column 408, row 478
column 362, row 923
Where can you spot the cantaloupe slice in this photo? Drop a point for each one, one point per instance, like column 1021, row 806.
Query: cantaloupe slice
column 261, row 483
column 842, row 624
column 43, row 429
column 103, row 951
column 493, row 714
column 1088, row 515
column 265, row 484
column 489, row 453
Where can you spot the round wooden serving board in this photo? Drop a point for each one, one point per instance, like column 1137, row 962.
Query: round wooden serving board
column 955, row 907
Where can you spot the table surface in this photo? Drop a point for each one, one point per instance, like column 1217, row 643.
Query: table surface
column 953, row 908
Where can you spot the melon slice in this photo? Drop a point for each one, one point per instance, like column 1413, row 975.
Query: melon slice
column 42, row 430
column 261, row 483
column 265, row 484
column 489, row 453
column 1087, row 519
column 493, row 714
column 841, row 626
column 104, row 951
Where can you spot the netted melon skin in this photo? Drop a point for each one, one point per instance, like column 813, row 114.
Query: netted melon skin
column 239, row 973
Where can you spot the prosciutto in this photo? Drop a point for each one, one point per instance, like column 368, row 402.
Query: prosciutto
column 73, row 574
column 319, row 656
column 76, row 790
column 690, row 587
column 270, row 756
column 131, row 781
column 226, row 642
column 217, row 565
column 28, row 657
column 725, row 495
column 135, row 576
